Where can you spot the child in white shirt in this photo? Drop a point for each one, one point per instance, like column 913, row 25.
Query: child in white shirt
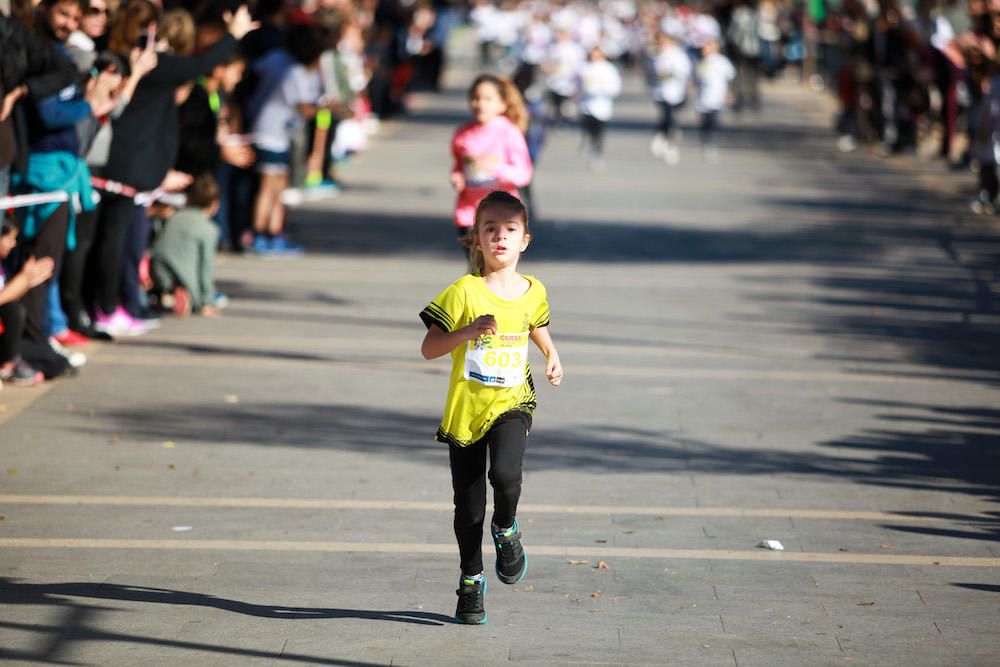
column 712, row 75
column 599, row 84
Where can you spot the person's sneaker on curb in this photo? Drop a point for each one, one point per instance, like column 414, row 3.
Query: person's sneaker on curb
column 119, row 323
column 512, row 563
column 283, row 246
column 75, row 359
column 470, row 609
column 19, row 374
column 68, row 337
column 262, row 244
column 182, row 302
column 220, row 300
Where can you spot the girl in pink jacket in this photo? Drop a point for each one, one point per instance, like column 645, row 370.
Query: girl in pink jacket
column 490, row 152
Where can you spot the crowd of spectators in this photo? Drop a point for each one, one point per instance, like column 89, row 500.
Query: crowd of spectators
column 140, row 137
column 915, row 77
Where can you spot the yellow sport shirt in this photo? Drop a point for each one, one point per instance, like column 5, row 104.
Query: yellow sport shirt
column 490, row 375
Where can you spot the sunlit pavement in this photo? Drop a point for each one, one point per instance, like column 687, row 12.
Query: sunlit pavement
column 793, row 344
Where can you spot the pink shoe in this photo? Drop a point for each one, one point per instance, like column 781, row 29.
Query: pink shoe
column 119, row 323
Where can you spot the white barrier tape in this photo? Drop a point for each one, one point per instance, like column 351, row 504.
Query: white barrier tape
column 144, row 199
column 21, row 201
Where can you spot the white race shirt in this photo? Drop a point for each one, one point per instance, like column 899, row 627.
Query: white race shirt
column 600, row 84
column 673, row 71
column 713, row 74
column 565, row 60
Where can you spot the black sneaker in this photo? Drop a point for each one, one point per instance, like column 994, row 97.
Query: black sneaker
column 20, row 374
column 470, row 601
column 512, row 563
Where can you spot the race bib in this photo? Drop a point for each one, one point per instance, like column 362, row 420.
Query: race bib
column 481, row 173
column 497, row 361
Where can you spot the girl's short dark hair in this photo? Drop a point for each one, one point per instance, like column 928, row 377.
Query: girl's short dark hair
column 306, row 42
column 203, row 192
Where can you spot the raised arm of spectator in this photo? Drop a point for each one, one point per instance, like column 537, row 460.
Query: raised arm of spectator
column 173, row 70
column 142, row 62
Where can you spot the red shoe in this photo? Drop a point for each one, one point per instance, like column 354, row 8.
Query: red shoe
column 182, row 302
column 70, row 337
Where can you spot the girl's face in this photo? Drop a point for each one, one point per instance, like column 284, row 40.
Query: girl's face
column 486, row 103
column 7, row 243
column 501, row 237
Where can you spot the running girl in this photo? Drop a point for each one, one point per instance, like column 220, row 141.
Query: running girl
column 490, row 152
column 485, row 320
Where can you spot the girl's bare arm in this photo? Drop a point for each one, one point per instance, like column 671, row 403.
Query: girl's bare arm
column 437, row 342
column 553, row 367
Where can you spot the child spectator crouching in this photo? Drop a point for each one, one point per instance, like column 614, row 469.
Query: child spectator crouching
column 183, row 255
column 13, row 369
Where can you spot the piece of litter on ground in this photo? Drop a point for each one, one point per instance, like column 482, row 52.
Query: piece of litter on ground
column 579, row 562
column 232, row 399
column 595, row 610
column 181, row 529
column 773, row 545
column 169, row 444
column 596, row 594
column 866, row 604
column 12, row 471
column 602, row 566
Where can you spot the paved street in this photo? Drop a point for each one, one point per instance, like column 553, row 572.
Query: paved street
column 793, row 344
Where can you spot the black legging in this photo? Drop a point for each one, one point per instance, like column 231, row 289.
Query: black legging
column 707, row 128
column 12, row 318
column 136, row 241
column 666, row 125
column 116, row 220
column 505, row 444
column 50, row 242
column 989, row 186
column 74, row 268
column 593, row 131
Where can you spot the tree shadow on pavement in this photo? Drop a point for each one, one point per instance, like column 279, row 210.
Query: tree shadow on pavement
column 77, row 624
column 670, row 239
column 954, row 460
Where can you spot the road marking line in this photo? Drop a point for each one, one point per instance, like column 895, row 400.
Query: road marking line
column 565, row 552
column 408, row 505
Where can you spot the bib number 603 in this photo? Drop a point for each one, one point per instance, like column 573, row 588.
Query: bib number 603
column 503, row 359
